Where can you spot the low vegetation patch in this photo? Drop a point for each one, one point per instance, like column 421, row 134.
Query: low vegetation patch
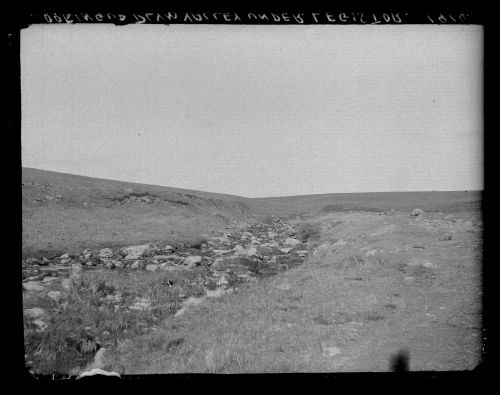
column 98, row 314
column 308, row 231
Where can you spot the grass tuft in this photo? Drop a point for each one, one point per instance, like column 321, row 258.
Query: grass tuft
column 308, row 231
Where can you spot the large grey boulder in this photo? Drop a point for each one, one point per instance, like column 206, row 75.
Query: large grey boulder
column 138, row 251
column 192, row 261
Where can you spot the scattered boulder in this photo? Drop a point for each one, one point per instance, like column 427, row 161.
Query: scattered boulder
column 246, row 236
column 31, row 261
column 193, row 260
column 264, row 251
column 48, row 279
column 238, row 249
column 138, row 251
column 292, row 242
column 285, row 250
column 251, row 251
column 41, row 325
column 105, row 253
column 33, row 286
column 35, row 312
column 417, row 212
column 137, row 265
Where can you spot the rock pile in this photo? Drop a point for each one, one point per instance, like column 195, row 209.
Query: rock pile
column 227, row 259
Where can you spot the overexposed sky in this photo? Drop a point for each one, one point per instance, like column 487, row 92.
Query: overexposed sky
column 257, row 110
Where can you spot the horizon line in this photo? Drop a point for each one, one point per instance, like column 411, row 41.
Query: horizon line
column 246, row 197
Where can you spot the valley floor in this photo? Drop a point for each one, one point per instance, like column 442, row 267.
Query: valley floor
column 338, row 292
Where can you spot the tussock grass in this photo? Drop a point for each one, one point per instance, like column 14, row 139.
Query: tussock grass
column 309, row 231
column 91, row 321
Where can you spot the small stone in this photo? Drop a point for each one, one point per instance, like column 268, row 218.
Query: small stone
column 136, row 265
column 41, row 325
column 222, row 281
column 329, row 350
column 301, row 253
column 35, row 312
column 105, row 253
column 284, row 286
column 217, row 293
column 48, row 279
column 151, row 267
column 292, row 242
column 285, row 250
column 33, row 286
column 264, row 251
column 416, row 212
column 251, row 251
column 430, row 265
column 64, row 256
column 238, row 249
column 191, row 261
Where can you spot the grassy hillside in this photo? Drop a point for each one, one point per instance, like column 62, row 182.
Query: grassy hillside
column 63, row 211
column 70, row 212
column 455, row 201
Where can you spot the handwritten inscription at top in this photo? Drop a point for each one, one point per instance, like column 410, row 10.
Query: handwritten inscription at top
column 255, row 17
